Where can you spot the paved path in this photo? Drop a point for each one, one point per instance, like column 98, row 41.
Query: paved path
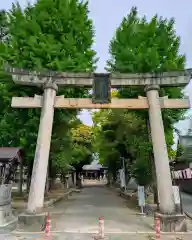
column 187, row 203
column 77, row 219
column 90, row 237
column 96, row 201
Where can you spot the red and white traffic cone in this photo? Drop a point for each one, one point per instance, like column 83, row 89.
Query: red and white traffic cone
column 157, row 228
column 101, row 228
column 48, row 226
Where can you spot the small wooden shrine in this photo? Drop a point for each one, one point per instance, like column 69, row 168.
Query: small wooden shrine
column 10, row 159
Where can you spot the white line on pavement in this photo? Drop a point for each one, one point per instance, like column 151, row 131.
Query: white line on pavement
column 95, row 232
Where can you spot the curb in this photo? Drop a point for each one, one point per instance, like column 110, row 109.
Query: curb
column 52, row 201
column 55, row 200
column 189, row 215
column 64, row 196
column 121, row 193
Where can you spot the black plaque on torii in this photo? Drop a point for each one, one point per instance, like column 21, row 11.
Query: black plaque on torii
column 101, row 88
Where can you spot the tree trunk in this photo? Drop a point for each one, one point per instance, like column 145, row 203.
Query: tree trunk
column 21, row 179
column 114, row 177
column 51, row 174
column 47, row 181
column 47, row 185
column 30, row 169
column 109, row 176
column 155, row 192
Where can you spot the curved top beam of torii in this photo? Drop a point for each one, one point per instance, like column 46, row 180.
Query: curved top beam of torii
column 25, row 77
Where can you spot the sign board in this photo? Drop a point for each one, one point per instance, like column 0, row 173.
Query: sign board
column 176, row 195
column 101, row 88
column 141, row 195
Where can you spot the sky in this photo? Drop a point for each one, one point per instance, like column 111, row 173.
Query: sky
column 107, row 15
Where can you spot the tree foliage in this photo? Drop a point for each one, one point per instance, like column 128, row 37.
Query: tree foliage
column 118, row 137
column 3, row 26
column 82, row 139
column 49, row 35
column 139, row 46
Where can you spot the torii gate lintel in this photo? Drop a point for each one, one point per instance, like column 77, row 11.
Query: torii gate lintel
column 86, row 103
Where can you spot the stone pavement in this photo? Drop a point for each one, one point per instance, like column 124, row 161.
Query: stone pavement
column 96, row 201
column 77, row 218
column 65, row 236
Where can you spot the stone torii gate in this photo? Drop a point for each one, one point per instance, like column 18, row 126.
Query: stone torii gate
column 49, row 101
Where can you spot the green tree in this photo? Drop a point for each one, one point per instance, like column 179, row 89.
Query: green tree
column 118, row 137
column 3, row 26
column 82, row 150
column 49, row 35
column 141, row 46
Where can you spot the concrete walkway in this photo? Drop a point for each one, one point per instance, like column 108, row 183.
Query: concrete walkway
column 77, row 218
column 187, row 203
column 96, row 201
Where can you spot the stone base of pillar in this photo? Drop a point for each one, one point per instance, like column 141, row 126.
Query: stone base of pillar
column 172, row 223
column 178, row 209
column 28, row 219
column 9, row 225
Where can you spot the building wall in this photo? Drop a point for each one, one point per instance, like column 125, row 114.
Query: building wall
column 182, row 176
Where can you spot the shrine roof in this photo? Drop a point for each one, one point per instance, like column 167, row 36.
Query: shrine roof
column 9, row 153
column 94, row 167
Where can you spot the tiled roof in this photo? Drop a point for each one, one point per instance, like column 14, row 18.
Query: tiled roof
column 8, row 153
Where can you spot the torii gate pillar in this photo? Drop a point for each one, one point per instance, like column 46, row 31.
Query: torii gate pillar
column 38, row 180
column 169, row 220
column 164, row 182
